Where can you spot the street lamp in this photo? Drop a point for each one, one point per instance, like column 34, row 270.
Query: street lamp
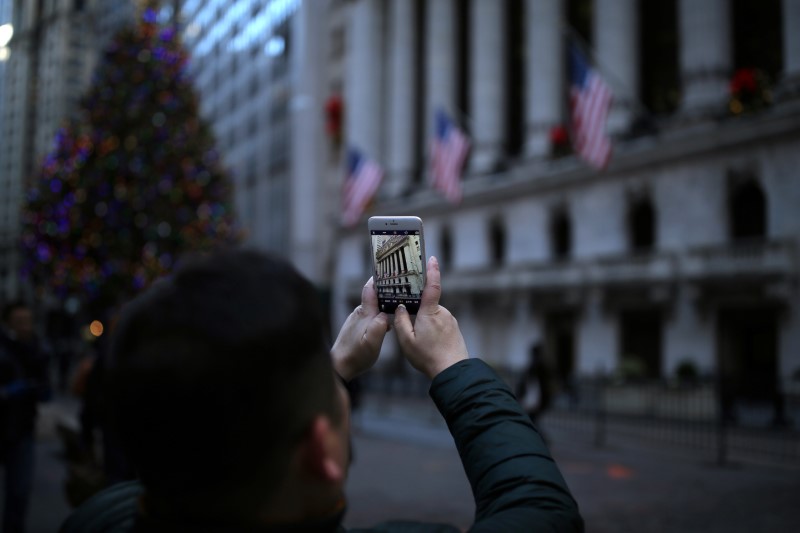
column 6, row 32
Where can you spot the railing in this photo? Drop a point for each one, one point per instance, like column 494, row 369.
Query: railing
column 762, row 259
column 753, row 258
column 687, row 415
column 678, row 415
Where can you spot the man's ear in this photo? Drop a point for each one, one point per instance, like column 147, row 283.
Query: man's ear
column 322, row 456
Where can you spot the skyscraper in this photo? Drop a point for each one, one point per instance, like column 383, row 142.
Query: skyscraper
column 260, row 72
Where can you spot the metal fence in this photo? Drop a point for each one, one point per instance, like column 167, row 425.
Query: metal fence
column 684, row 414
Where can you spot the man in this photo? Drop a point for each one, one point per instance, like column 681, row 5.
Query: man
column 232, row 407
column 23, row 383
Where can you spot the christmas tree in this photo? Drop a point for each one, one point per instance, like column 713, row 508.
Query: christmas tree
column 131, row 186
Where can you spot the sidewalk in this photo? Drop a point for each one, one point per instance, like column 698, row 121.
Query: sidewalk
column 626, row 486
column 48, row 506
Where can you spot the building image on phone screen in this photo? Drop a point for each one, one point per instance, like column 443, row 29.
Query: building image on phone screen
column 398, row 266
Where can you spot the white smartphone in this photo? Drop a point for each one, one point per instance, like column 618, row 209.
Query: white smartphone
column 398, row 259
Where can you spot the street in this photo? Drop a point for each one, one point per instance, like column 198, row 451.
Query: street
column 406, row 467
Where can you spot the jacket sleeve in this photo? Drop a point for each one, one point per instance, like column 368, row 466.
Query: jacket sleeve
column 516, row 483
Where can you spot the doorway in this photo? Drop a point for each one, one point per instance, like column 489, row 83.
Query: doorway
column 748, row 346
column 560, row 351
column 640, row 342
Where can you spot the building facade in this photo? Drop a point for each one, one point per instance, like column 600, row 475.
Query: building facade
column 684, row 251
column 398, row 265
column 50, row 60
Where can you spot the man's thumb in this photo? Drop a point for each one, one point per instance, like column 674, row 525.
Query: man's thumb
column 402, row 324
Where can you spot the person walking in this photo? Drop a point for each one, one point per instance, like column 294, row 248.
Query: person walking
column 534, row 389
column 23, row 384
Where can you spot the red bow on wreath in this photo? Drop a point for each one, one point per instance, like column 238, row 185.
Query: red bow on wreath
column 333, row 117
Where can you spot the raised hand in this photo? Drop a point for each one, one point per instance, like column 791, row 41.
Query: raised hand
column 359, row 342
column 433, row 341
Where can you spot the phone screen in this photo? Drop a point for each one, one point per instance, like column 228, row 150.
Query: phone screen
column 399, row 278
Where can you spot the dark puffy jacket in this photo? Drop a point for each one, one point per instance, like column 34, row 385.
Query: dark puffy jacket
column 516, row 483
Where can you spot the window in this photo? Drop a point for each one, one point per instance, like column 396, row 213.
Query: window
column 254, row 84
column 748, row 210
column 463, row 55
column 641, row 225
column 579, row 18
column 422, row 122
column 640, row 343
column 560, row 234
column 515, row 75
column 758, row 36
column 337, row 42
column 497, row 241
column 446, row 248
column 658, row 61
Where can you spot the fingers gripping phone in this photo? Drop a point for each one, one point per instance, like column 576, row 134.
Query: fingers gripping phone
column 398, row 259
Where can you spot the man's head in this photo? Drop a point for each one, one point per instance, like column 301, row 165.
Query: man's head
column 222, row 388
column 18, row 319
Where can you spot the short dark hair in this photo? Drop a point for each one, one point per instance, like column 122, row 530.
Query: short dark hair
column 215, row 374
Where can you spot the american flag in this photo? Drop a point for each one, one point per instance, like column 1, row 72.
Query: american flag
column 590, row 101
column 363, row 179
column 450, row 148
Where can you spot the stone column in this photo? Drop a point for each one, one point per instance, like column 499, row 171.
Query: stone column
column 545, row 96
column 309, row 237
column 790, row 80
column 488, row 84
column 440, row 62
column 403, row 144
column 363, row 108
column 705, row 55
column 616, row 30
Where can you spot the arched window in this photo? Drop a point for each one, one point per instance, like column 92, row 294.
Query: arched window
column 560, row 234
column 748, row 211
column 641, row 225
column 497, row 241
column 446, row 248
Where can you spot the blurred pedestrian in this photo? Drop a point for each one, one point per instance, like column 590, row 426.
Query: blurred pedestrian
column 534, row 389
column 230, row 399
column 23, row 383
